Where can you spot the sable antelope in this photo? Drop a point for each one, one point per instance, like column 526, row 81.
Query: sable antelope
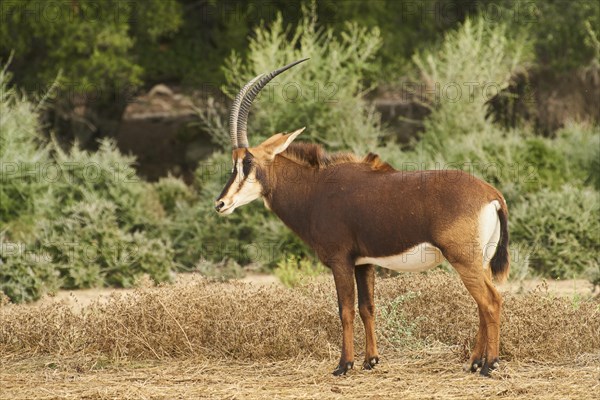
column 359, row 212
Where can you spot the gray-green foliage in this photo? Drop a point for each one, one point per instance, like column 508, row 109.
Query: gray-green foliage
column 90, row 249
column 84, row 218
column 325, row 94
column 293, row 270
column 21, row 155
column 111, row 176
column 173, row 194
column 77, row 218
column 562, row 228
column 474, row 63
column 396, row 326
column 25, row 272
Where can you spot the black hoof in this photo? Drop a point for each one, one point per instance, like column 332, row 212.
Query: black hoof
column 485, row 370
column 342, row 368
column 489, row 366
column 370, row 363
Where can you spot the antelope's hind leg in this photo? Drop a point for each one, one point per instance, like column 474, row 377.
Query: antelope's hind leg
column 478, row 354
column 489, row 303
column 365, row 282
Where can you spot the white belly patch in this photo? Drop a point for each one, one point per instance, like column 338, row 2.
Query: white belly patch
column 418, row 258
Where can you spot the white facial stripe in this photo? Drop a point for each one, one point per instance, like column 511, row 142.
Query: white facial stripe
column 240, row 169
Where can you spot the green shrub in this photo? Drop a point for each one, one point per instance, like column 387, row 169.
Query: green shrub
column 473, row 64
column 325, row 94
column 25, row 272
column 89, row 249
column 563, row 34
column 396, row 326
column 110, row 175
column 579, row 144
column 293, row 270
column 173, row 193
column 22, row 156
column 562, row 229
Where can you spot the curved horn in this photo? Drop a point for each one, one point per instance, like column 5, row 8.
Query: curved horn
column 235, row 110
column 242, row 122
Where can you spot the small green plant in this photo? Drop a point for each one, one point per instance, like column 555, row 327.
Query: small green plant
column 395, row 326
column 293, row 271
column 223, row 270
column 23, row 156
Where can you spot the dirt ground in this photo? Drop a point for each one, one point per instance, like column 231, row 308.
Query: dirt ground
column 431, row 374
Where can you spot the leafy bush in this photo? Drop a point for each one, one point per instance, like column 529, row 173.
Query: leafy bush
column 22, row 155
column 293, row 270
column 109, row 175
column 562, row 229
column 81, row 219
column 89, row 249
column 93, row 43
column 474, row 63
column 223, row 270
column 579, row 144
column 562, row 39
column 325, row 94
column 172, row 193
column 25, row 272
column 396, row 326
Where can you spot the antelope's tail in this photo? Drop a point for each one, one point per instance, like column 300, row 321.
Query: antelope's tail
column 500, row 262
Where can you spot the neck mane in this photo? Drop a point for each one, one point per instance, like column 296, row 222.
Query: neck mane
column 314, row 156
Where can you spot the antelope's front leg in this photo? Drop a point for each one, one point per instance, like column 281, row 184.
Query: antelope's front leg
column 343, row 274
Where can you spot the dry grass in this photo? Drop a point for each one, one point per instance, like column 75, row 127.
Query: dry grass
column 239, row 321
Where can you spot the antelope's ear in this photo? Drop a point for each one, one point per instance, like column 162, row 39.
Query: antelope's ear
column 279, row 142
